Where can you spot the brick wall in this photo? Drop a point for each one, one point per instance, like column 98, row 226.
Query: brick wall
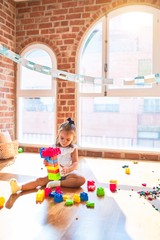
column 7, row 68
column 131, row 155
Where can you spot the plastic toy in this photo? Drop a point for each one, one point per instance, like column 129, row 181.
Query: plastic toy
column 90, row 204
column 52, row 194
column 135, row 162
column 20, row 150
column 2, row 201
column 58, row 190
column 69, row 202
column 144, row 184
column 50, row 155
column 127, row 170
column 84, row 196
column 40, row 195
column 65, row 197
column 100, row 192
column 125, row 166
column 47, row 191
column 91, row 186
column 58, row 197
column 76, row 198
column 113, row 185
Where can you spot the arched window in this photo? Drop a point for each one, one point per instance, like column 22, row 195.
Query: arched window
column 36, row 98
column 122, row 47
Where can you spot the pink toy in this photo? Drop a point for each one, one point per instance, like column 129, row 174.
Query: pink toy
column 51, row 152
column 91, row 186
column 113, row 185
column 47, row 191
column 58, row 190
column 144, row 184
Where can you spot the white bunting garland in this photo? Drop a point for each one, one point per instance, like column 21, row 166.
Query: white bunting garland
column 140, row 81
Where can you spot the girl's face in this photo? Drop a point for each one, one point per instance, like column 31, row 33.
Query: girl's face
column 66, row 138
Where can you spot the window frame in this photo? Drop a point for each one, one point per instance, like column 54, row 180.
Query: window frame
column 22, row 93
column 137, row 91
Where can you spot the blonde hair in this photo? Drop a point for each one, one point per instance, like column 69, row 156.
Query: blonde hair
column 68, row 126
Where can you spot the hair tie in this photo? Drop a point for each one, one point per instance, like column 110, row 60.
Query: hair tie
column 70, row 121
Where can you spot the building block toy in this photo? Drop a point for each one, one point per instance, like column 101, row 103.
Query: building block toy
column 50, row 155
column 47, row 191
column 144, row 184
column 65, row 197
column 135, row 162
column 76, row 198
column 58, row 190
column 100, row 192
column 69, row 202
column 52, row 194
column 127, row 170
column 113, row 185
column 2, row 201
column 91, row 186
column 40, row 195
column 90, row 204
column 58, row 197
column 125, row 166
column 84, row 196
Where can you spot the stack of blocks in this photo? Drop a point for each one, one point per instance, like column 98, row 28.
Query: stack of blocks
column 50, row 155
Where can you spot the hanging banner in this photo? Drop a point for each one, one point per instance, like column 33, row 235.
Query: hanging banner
column 49, row 71
column 140, row 81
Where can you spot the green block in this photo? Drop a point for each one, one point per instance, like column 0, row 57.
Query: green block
column 90, row 204
column 69, row 202
column 53, row 176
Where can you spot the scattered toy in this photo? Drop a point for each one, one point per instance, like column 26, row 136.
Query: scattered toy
column 84, row 196
column 91, row 185
column 2, row 201
column 90, row 204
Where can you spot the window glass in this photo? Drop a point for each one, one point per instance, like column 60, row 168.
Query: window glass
column 130, row 46
column 36, row 94
column 91, row 59
column 36, row 120
column 125, row 123
column 35, row 80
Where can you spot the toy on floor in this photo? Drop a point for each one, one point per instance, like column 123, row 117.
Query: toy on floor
column 47, row 191
column 58, row 197
column 40, row 196
column 50, row 155
column 76, row 198
column 69, row 202
column 113, row 185
column 90, row 204
column 100, row 192
column 127, row 170
column 20, row 150
column 84, row 196
column 2, row 201
column 91, row 186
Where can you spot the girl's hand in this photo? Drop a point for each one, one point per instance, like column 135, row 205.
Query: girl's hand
column 64, row 170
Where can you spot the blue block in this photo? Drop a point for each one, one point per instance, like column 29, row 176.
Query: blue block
column 58, row 197
column 84, row 196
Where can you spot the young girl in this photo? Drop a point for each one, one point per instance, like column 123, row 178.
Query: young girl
column 68, row 162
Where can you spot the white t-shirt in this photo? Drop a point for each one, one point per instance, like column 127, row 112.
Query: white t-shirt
column 64, row 159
